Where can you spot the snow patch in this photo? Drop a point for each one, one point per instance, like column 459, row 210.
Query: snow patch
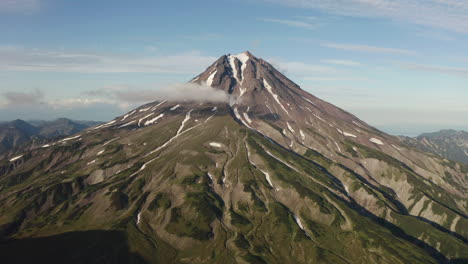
column 267, row 177
column 209, row 81
column 302, row 134
column 46, row 145
column 339, row 131
column 91, row 162
column 141, row 119
column 214, row 109
column 127, row 124
column 349, row 135
column 138, row 218
column 346, row 188
column 232, row 63
column 246, row 116
column 154, row 120
column 376, row 141
column 208, row 119
column 127, row 115
column 317, row 116
column 298, row 221
column 356, row 123
column 156, row 106
column 144, row 109
column 339, row 149
column 215, row 144
column 175, row 107
column 309, row 101
column 397, row 148
column 70, row 138
column 243, row 58
column 238, row 116
column 290, row 128
column 100, row 152
column 16, row 158
column 179, row 132
column 280, row 160
column 275, row 96
column 211, row 176
column 110, row 141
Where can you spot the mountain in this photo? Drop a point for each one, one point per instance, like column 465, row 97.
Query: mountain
column 273, row 175
column 450, row 144
column 15, row 133
column 18, row 133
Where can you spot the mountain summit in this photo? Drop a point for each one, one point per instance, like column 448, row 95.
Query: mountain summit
column 275, row 176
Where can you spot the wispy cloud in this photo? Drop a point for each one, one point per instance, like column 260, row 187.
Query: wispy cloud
column 333, row 79
column 19, row 6
column 446, row 14
column 291, row 23
column 368, row 49
column 463, row 72
column 22, row 59
column 300, row 68
column 343, row 62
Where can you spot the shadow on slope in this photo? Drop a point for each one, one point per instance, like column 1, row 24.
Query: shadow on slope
column 73, row 247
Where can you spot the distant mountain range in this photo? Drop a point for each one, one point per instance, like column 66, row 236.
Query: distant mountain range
column 450, row 144
column 19, row 133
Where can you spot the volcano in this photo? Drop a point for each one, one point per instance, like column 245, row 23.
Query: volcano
column 275, row 175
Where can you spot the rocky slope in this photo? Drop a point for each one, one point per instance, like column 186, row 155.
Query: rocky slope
column 450, row 144
column 276, row 175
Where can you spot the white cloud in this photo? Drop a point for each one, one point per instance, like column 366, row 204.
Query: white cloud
column 74, row 103
column 128, row 95
column 322, row 79
column 446, row 14
column 22, row 59
column 19, row 6
column 463, row 72
column 368, row 49
column 300, row 68
column 291, row 23
column 343, row 62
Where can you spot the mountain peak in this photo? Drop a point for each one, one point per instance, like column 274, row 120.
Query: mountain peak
column 244, row 74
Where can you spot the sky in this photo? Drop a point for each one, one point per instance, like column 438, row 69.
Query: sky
column 399, row 65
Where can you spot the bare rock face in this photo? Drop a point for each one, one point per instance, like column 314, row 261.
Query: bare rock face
column 274, row 176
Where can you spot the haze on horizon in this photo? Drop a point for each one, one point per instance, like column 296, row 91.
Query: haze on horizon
column 398, row 65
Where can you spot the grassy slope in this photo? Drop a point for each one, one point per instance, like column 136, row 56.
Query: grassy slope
column 186, row 216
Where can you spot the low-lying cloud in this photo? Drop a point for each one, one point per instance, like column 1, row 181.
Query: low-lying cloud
column 20, row 99
column 177, row 92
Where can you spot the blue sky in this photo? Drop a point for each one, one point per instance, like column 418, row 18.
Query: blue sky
column 400, row 65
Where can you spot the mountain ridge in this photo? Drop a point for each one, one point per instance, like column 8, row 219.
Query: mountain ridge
column 19, row 133
column 448, row 143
